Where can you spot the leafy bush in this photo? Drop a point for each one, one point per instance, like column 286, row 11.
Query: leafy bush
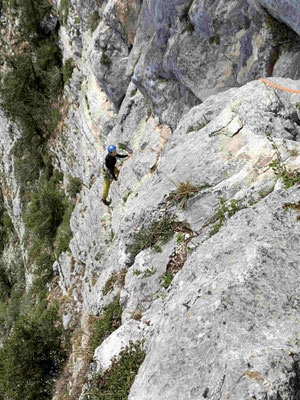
column 46, row 211
column 159, row 232
column 108, row 322
column 116, row 381
column 31, row 357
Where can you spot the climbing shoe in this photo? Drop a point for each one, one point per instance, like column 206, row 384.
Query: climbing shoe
column 107, row 203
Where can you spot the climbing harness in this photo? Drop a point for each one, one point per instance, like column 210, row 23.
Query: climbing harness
column 106, row 172
column 279, row 87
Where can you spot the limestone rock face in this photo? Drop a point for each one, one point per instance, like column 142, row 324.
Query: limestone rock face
column 9, row 185
column 111, row 45
column 228, row 321
column 179, row 53
column 229, row 326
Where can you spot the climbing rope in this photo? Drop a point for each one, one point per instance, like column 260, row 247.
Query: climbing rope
column 279, row 87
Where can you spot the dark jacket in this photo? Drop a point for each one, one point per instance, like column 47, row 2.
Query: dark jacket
column 110, row 162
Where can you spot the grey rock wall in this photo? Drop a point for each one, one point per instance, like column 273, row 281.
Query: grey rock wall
column 179, row 53
column 10, row 188
column 229, row 326
column 287, row 11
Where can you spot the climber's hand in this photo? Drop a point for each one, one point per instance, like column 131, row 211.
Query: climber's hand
column 118, row 183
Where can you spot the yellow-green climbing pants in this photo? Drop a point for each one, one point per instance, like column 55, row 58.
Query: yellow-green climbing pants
column 107, row 182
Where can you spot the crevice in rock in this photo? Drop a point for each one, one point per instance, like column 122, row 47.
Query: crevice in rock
column 181, row 252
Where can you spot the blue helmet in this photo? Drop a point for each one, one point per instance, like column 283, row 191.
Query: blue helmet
column 111, row 148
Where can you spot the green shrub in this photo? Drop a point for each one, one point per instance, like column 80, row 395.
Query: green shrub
column 31, row 357
column 5, row 284
column 30, row 88
column 180, row 237
column 10, row 310
column 42, row 257
column 64, row 233
column 64, row 10
column 116, row 381
column 67, row 70
column 225, row 211
column 106, row 323
column 30, row 13
column 31, row 84
column 166, row 279
column 159, row 232
column 46, row 211
column 149, row 272
column 74, row 187
column 289, row 178
column 93, row 20
column 7, row 222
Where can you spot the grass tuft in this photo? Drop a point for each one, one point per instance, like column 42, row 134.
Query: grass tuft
column 183, row 191
column 158, row 233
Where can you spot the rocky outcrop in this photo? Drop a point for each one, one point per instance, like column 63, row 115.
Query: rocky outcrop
column 228, row 326
column 225, row 146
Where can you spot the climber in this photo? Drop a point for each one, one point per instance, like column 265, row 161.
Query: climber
column 110, row 171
